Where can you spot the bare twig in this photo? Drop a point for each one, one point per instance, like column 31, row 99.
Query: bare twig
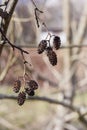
column 12, row 45
column 35, row 12
column 36, row 17
column 36, row 6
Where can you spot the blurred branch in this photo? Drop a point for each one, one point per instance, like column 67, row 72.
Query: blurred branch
column 73, row 46
column 12, row 45
column 81, row 29
column 22, row 19
column 10, row 7
column 45, row 99
column 62, row 47
column 8, row 125
column 51, row 101
column 73, row 115
column 70, row 127
column 10, row 62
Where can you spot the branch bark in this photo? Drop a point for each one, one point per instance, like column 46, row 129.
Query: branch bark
column 10, row 9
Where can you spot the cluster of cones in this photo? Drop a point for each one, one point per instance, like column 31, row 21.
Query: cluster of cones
column 29, row 90
column 44, row 45
column 30, row 86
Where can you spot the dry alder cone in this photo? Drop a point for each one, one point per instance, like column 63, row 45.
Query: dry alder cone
column 56, row 42
column 28, row 89
column 21, row 98
column 42, row 46
column 17, row 86
column 52, row 57
column 33, row 85
column 30, row 92
column 45, row 46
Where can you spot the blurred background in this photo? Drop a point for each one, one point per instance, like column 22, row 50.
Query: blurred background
column 67, row 81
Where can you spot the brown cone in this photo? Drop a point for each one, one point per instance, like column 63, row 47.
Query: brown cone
column 42, row 46
column 56, row 42
column 33, row 85
column 30, row 92
column 21, row 98
column 52, row 57
column 17, row 86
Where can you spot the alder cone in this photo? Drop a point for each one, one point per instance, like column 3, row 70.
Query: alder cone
column 52, row 57
column 48, row 49
column 32, row 93
column 33, row 85
column 29, row 91
column 42, row 46
column 56, row 42
column 17, row 86
column 21, row 98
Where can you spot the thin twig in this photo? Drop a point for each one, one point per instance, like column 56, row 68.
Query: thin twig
column 36, row 17
column 12, row 45
column 36, row 6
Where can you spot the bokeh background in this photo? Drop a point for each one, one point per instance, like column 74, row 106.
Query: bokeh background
column 67, row 81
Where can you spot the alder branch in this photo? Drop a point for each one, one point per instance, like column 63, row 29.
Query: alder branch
column 45, row 99
column 51, row 101
column 12, row 5
column 12, row 45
